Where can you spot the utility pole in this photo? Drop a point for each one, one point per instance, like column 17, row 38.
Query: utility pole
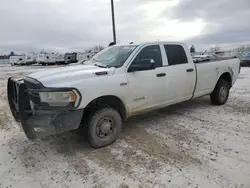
column 113, row 21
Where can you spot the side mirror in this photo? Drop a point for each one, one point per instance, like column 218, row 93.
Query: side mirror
column 142, row 65
column 152, row 64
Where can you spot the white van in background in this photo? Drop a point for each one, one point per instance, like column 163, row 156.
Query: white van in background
column 85, row 56
column 81, row 57
column 30, row 58
column 17, row 60
column 51, row 58
column 46, row 59
column 60, row 58
column 40, row 59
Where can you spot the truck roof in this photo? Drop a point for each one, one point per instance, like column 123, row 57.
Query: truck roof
column 156, row 42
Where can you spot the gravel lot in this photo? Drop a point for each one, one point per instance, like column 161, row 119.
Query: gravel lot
column 193, row 144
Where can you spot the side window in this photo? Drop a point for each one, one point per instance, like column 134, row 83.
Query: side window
column 176, row 54
column 148, row 53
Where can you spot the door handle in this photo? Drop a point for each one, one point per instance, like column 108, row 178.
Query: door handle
column 190, row 70
column 161, row 74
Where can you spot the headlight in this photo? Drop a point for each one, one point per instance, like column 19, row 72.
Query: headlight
column 60, row 98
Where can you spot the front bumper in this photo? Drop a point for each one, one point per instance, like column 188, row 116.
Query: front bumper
column 38, row 123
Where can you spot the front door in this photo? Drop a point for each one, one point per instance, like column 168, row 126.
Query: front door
column 146, row 87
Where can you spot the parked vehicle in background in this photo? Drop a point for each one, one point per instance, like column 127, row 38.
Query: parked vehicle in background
column 40, row 58
column 245, row 59
column 81, row 57
column 17, row 60
column 70, row 58
column 85, row 56
column 119, row 82
column 46, row 59
column 60, row 59
column 200, row 58
column 4, row 59
column 226, row 54
column 51, row 59
column 30, row 58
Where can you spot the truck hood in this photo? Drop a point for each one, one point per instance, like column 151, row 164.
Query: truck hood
column 66, row 76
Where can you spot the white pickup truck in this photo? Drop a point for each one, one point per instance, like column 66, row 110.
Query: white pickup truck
column 119, row 82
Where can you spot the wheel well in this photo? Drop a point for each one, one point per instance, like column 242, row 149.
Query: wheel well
column 107, row 101
column 226, row 76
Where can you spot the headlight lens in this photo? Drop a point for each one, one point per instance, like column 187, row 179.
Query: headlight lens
column 59, row 98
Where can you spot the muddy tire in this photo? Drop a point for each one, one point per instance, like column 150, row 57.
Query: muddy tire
column 29, row 132
column 103, row 127
column 220, row 93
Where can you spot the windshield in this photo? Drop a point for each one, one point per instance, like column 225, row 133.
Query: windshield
column 114, row 56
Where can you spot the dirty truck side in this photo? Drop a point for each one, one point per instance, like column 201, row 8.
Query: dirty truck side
column 119, row 82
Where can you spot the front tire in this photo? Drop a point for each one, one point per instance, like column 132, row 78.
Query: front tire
column 104, row 127
column 221, row 93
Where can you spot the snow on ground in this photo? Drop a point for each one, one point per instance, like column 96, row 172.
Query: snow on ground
column 192, row 144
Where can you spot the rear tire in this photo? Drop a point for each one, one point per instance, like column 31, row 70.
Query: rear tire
column 103, row 127
column 29, row 132
column 221, row 93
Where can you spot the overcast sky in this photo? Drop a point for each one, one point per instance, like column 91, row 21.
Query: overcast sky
column 73, row 25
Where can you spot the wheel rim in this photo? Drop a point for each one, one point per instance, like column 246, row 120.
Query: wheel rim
column 223, row 93
column 105, row 127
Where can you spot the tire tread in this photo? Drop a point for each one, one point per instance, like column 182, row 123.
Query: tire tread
column 90, row 125
column 215, row 98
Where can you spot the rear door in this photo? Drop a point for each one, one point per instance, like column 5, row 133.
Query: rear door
column 147, row 87
column 181, row 74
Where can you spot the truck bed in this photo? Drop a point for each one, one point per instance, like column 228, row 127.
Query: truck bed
column 208, row 74
column 217, row 59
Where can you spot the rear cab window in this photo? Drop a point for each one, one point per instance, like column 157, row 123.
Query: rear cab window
column 176, row 54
